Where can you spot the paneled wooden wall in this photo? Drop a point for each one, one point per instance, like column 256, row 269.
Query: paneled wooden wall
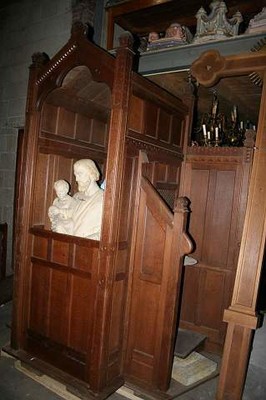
column 216, row 184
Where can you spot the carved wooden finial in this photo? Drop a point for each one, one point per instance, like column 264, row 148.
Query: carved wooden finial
column 126, row 40
column 39, row 59
column 182, row 205
column 79, row 29
column 250, row 136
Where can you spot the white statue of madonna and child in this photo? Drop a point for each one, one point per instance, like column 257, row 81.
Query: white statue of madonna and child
column 80, row 215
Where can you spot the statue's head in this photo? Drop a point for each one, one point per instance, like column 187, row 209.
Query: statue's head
column 61, row 188
column 85, row 171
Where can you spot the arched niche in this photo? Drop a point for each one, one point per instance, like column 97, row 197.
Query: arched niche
column 74, row 124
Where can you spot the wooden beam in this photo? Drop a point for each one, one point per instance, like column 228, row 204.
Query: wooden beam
column 210, row 67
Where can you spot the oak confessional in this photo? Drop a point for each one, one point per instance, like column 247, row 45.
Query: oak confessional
column 84, row 309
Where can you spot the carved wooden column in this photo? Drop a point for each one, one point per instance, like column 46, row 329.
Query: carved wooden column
column 112, row 211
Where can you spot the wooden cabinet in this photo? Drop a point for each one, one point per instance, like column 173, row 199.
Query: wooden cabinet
column 216, row 182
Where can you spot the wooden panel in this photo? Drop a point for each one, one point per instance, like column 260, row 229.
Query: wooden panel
column 39, row 302
column 177, row 131
column 117, row 311
column 198, row 196
column 217, row 190
column 150, row 252
column 40, row 247
column 142, row 345
column 42, row 188
column 164, row 126
column 58, row 307
column 65, row 296
column 190, row 294
column 83, row 128
column 135, row 114
column 150, row 119
column 49, row 118
column 81, row 308
column 160, row 172
column 127, row 199
column 211, row 298
column 173, row 173
column 153, row 293
column 218, row 218
column 64, row 170
column 84, row 259
column 66, row 123
column 60, row 252
column 99, row 133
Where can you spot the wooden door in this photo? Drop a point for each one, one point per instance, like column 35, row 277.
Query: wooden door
column 160, row 243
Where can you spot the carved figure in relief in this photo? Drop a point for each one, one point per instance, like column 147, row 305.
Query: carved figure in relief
column 61, row 212
column 87, row 216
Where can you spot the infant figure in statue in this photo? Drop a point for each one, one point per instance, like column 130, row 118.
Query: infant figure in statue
column 61, row 212
column 87, row 217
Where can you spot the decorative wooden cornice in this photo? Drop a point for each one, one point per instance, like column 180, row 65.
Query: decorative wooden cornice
column 152, row 148
column 56, row 63
column 235, row 155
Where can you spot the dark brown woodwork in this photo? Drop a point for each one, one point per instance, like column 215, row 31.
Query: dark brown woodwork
column 216, row 182
column 242, row 316
column 71, row 303
column 159, row 244
column 152, row 276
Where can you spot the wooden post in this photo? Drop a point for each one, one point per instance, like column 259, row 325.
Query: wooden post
column 25, row 172
column 112, row 211
column 241, row 316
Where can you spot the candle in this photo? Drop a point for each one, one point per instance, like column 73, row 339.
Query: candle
column 204, row 130
column 216, row 132
column 241, row 125
column 209, row 135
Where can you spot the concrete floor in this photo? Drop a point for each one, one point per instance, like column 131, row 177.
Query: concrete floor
column 15, row 385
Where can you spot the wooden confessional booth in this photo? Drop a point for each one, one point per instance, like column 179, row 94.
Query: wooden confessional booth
column 94, row 313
